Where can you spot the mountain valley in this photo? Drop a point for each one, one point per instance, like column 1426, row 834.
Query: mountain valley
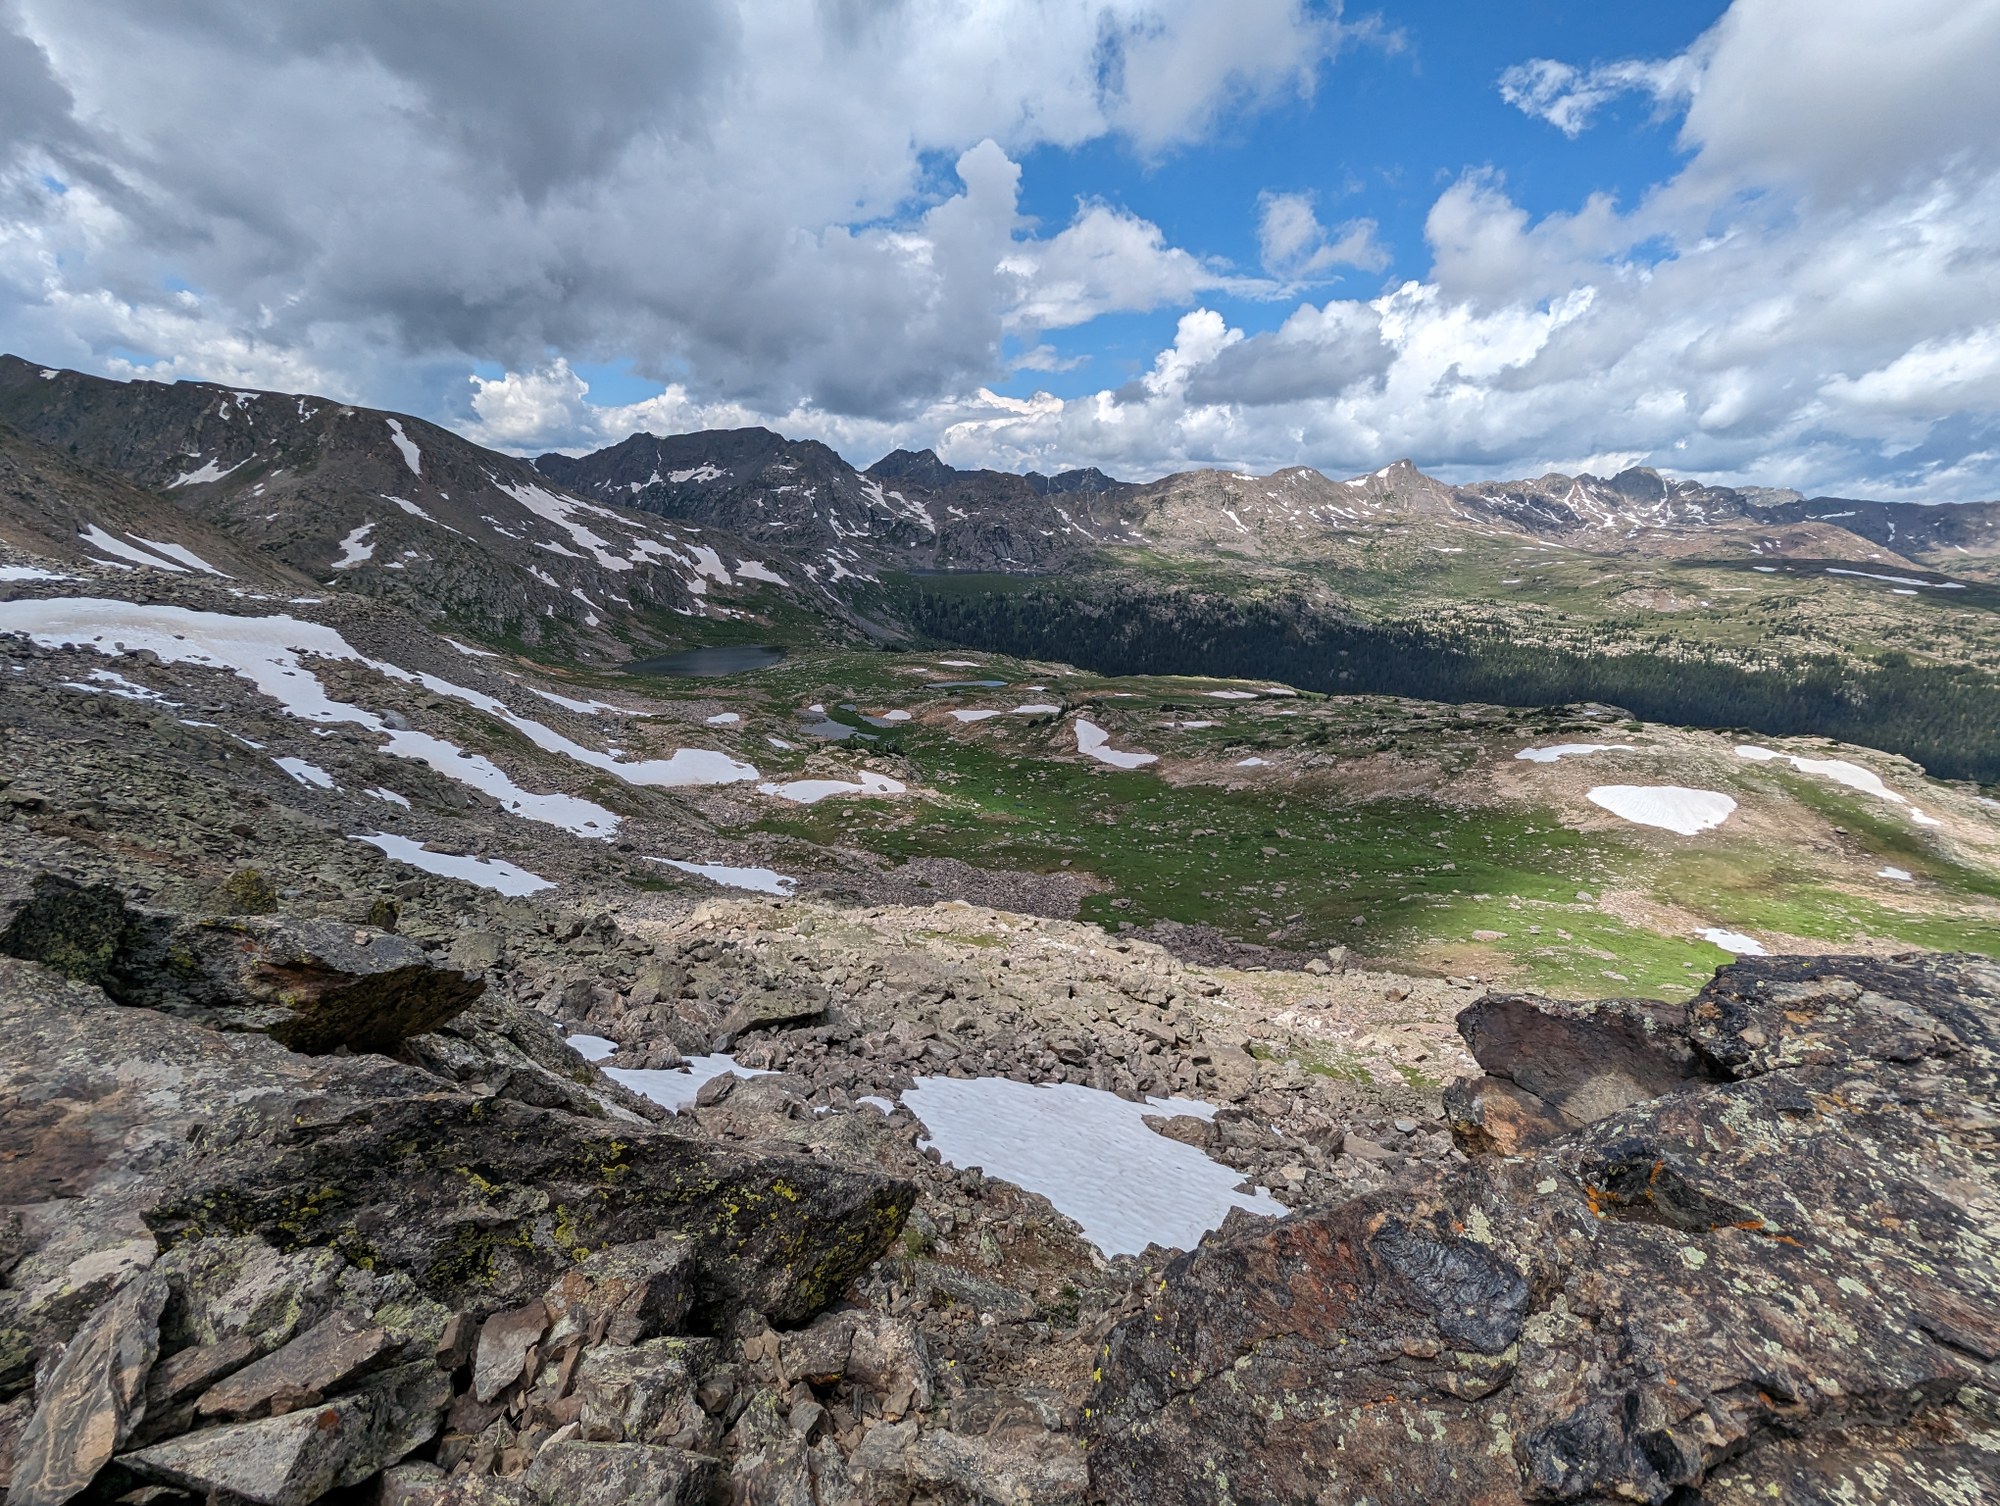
column 615, row 904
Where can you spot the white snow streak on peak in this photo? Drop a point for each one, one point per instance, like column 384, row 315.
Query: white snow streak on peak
column 210, row 470
column 496, row 874
column 702, row 472
column 758, row 880
column 184, row 554
column 758, row 570
column 356, row 548
column 1089, row 1153
column 1669, row 806
column 562, row 511
column 1571, row 750
column 1092, row 741
column 117, row 548
column 412, row 456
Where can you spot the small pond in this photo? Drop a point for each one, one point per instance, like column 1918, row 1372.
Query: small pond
column 709, row 663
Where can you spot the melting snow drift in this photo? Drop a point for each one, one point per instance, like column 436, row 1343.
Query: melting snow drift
column 496, row 874
column 1089, row 1153
column 1669, row 806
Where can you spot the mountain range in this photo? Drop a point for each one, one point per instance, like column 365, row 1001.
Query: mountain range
column 652, row 539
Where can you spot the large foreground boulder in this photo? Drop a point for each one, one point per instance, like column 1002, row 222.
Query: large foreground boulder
column 1750, row 1252
column 316, row 985
column 126, row 1131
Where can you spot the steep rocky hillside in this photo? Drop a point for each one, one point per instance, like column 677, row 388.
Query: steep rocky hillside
column 387, row 505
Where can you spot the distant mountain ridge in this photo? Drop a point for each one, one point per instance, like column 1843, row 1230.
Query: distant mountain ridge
column 624, row 544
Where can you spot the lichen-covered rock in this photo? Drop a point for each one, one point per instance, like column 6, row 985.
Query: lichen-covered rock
column 484, row 1202
column 1756, row 1284
column 298, row 1457
column 615, row 1474
column 93, row 1400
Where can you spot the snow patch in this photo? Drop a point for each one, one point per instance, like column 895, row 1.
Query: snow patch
column 1090, row 1153
column 412, row 456
column 1092, row 741
column 306, row 773
column 496, row 874
column 1902, row 580
column 758, row 570
column 1669, row 806
column 184, row 554
column 1733, row 941
column 29, row 572
column 357, row 548
column 759, row 880
column 210, row 470
column 117, row 548
column 1900, row 875
column 1571, row 750
column 812, row 791
column 723, row 719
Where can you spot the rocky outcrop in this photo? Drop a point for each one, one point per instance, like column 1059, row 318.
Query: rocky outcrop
column 1747, row 1254
column 239, row 1270
column 314, row 985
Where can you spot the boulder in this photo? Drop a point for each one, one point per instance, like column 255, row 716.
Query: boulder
column 1771, row 1279
column 620, row 1474
column 484, row 1202
column 318, row 1361
column 645, row 1393
column 314, row 985
column 296, row 1458
column 93, row 1399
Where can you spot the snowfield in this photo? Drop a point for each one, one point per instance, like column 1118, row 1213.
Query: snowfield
column 758, row 880
column 1671, row 807
column 1090, row 1153
column 1092, row 741
column 496, row 874
column 1571, row 750
column 266, row 651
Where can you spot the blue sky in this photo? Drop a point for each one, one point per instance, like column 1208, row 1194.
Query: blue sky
column 1388, row 128
column 1755, row 242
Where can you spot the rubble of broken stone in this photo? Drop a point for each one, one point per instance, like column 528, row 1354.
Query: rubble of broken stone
column 299, row 1204
column 1738, row 1250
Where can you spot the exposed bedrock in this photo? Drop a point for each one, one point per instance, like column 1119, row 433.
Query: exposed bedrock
column 1744, row 1250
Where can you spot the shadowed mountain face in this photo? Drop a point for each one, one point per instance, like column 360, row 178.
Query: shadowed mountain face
column 382, row 503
